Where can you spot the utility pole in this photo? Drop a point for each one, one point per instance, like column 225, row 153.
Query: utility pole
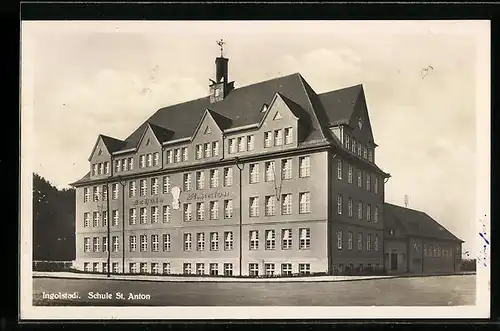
column 108, row 229
column 122, row 182
column 240, row 168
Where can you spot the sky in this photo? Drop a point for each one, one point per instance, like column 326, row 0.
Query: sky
column 419, row 78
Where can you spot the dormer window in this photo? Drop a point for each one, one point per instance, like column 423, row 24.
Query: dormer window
column 288, row 136
column 370, row 155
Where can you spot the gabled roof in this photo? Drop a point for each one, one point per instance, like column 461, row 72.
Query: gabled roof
column 161, row 133
column 415, row 223
column 112, row 144
column 340, row 103
column 222, row 121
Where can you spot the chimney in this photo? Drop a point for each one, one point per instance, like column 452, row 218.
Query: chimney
column 221, row 87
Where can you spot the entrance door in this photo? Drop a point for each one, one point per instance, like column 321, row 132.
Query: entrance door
column 394, row 261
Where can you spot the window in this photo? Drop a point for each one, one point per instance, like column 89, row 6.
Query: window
column 115, row 191
column 349, row 240
column 228, row 176
column 365, row 152
column 214, row 269
column 166, row 214
column 215, row 148
column 368, row 184
column 133, row 243
column 116, row 244
column 228, row 241
column 214, row 210
column 115, row 217
column 349, row 207
column 200, row 180
column 105, row 192
column 131, row 189
column 96, row 193
column 94, row 169
column 86, row 266
column 95, row 219
column 208, row 150
column 118, row 165
column 96, row 244
column 286, row 205
column 304, row 202
column 154, row 186
column 360, row 178
column 347, row 141
column 132, row 216
column 286, row 269
column 304, row 269
column 360, row 210
column 370, row 155
column 250, row 143
column 200, row 241
column 187, row 182
column 376, row 243
column 200, row 268
column 278, row 137
column 166, row 268
column 268, row 139
column 130, row 163
column 178, row 155
column 199, row 152
column 232, row 146
column 166, row 242
column 104, row 244
column 269, row 269
column 144, row 242
column 184, row 154
column 242, row 144
column 86, row 220
column 187, row 241
column 339, row 239
column 360, row 241
column 155, row 268
column 187, row 212
column 214, row 241
column 375, row 186
column 339, row 169
column 144, row 187
column 359, row 149
column 144, row 215
column 269, row 176
column 186, row 268
column 305, row 238
column 254, row 240
column 132, row 267
column 353, row 145
column 288, row 136
column 86, row 194
column 142, row 161
column 270, row 201
column 228, row 208
column 124, row 164
column 154, row 214
column 375, row 215
column 286, row 239
column 369, row 242
column 170, row 157
column 349, row 174
column 339, row 204
column 144, row 268
column 106, row 167
column 270, row 239
column 253, row 269
column 166, row 184
column 150, row 160
column 254, row 206
column 200, row 211
column 254, row 173
column 286, row 169
column 214, row 178
column 228, row 269
column 368, row 212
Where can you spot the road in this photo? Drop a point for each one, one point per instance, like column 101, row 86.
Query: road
column 415, row 291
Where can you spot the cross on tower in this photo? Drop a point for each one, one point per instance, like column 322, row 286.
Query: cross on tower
column 221, row 45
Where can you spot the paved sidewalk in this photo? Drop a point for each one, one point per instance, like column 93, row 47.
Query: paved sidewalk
column 161, row 278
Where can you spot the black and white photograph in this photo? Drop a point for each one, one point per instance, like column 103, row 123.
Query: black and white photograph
column 255, row 169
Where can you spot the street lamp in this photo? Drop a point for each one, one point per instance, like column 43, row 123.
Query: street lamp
column 240, row 167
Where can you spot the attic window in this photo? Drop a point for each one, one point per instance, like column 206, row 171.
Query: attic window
column 264, row 108
column 360, row 123
column 99, row 153
column 207, row 130
column 147, row 142
column 277, row 116
column 391, row 231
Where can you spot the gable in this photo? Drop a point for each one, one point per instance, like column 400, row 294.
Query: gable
column 100, row 151
column 149, row 140
column 360, row 120
column 207, row 128
column 278, row 113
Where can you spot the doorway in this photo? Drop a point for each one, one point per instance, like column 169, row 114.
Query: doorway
column 394, row 261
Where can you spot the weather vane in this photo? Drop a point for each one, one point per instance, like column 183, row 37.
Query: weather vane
column 221, row 45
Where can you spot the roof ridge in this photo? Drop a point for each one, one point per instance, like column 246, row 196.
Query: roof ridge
column 360, row 85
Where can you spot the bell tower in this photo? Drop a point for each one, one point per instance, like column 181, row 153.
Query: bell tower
column 220, row 87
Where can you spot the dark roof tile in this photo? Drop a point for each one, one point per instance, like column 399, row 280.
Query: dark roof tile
column 340, row 103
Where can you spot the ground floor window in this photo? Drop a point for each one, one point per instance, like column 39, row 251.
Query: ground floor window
column 104, row 267
column 166, row 268
column 214, row 269
column 86, row 266
column 186, row 268
column 228, row 269
column 253, row 269
column 200, row 268
column 116, row 268
column 132, row 267
column 304, row 269
column 286, row 269
column 269, row 269
column 144, row 268
column 341, row 267
column 95, row 267
column 360, row 267
column 155, row 268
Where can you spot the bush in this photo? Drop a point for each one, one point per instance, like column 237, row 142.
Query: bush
column 52, row 265
column 468, row 265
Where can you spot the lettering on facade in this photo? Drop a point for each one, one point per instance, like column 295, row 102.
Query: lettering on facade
column 201, row 196
column 152, row 201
